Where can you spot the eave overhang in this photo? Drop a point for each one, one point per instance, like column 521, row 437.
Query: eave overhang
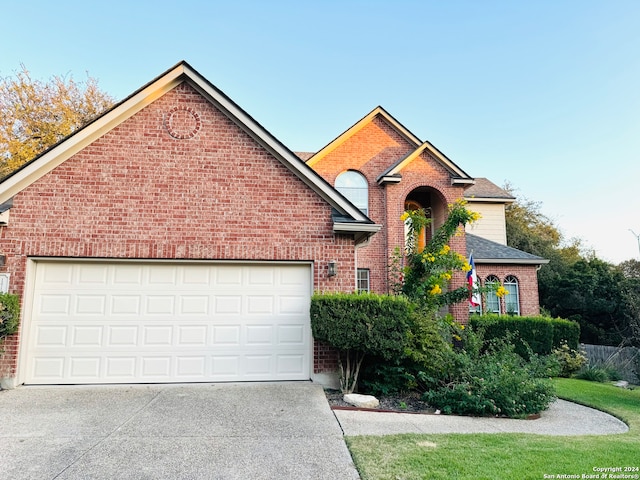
column 510, row 261
column 458, row 176
column 182, row 72
column 490, row 199
column 361, row 231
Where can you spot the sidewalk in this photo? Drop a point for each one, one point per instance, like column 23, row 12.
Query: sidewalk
column 562, row 418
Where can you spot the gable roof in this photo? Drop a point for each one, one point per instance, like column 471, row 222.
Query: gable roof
column 458, row 176
column 485, row 190
column 349, row 219
column 486, row 251
column 376, row 112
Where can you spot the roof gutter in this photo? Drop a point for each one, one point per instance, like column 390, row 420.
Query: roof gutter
column 511, row 261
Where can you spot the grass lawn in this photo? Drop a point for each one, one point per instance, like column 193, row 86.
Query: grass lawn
column 510, row 456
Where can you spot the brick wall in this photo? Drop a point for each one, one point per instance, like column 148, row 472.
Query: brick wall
column 527, row 276
column 178, row 180
column 370, row 151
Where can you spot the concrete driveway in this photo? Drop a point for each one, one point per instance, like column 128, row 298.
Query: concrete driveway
column 202, row 431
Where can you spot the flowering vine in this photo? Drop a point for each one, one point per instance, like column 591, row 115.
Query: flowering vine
column 426, row 274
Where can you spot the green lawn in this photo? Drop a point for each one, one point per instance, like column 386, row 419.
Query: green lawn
column 509, row 456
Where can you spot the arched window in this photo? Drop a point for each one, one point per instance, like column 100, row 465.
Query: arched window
column 512, row 300
column 493, row 301
column 355, row 187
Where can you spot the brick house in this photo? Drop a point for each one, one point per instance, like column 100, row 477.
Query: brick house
column 174, row 239
column 384, row 169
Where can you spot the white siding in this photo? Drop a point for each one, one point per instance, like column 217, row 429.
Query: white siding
column 492, row 224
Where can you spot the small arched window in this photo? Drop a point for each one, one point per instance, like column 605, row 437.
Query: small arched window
column 355, row 187
column 493, row 301
column 512, row 300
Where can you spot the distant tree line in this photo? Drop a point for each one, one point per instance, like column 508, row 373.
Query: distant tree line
column 602, row 297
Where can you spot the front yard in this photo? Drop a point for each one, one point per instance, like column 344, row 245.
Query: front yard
column 512, row 456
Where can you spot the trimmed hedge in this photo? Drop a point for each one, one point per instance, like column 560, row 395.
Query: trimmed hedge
column 366, row 323
column 542, row 334
column 9, row 314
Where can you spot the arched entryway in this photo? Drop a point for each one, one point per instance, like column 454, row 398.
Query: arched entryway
column 432, row 203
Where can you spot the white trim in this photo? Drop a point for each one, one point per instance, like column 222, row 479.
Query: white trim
column 147, row 95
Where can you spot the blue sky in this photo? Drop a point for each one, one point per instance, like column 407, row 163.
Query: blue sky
column 543, row 94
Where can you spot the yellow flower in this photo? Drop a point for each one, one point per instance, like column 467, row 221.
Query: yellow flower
column 461, row 327
column 466, row 267
column 501, row 292
column 404, row 216
column 435, row 290
column 445, row 250
column 446, row 276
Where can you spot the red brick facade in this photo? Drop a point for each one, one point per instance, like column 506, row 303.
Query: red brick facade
column 373, row 148
column 180, row 179
column 527, row 284
column 138, row 192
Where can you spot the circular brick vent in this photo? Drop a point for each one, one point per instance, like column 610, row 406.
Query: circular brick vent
column 182, row 122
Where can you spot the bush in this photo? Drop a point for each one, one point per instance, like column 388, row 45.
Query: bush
column 9, row 314
column 541, row 334
column 424, row 357
column 497, row 381
column 593, row 374
column 383, row 378
column 569, row 360
column 361, row 324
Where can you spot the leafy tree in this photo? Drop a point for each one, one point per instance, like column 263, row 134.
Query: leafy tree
column 591, row 293
column 35, row 115
column 631, row 294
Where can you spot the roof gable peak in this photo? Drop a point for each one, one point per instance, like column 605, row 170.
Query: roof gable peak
column 146, row 95
column 351, row 131
column 458, row 176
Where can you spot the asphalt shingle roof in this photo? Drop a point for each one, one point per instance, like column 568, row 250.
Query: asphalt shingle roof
column 484, row 188
column 486, row 251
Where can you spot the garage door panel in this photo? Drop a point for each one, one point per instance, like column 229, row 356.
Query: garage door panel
column 130, row 322
column 87, row 336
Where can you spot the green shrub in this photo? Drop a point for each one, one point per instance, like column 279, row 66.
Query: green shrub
column 424, row 357
column 9, row 314
column 541, row 334
column 612, row 373
column 593, row 374
column 359, row 325
column 497, row 381
column 569, row 360
column 565, row 332
column 386, row 378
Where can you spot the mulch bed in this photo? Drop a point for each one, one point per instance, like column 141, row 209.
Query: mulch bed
column 410, row 403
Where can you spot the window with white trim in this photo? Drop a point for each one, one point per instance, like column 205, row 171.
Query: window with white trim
column 355, row 187
column 493, row 301
column 512, row 300
column 363, row 280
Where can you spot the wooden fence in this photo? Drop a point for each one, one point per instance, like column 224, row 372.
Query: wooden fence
column 625, row 360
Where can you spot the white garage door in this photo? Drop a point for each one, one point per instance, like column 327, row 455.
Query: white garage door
column 99, row 322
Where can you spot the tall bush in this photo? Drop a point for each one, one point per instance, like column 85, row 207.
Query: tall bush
column 9, row 314
column 358, row 325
